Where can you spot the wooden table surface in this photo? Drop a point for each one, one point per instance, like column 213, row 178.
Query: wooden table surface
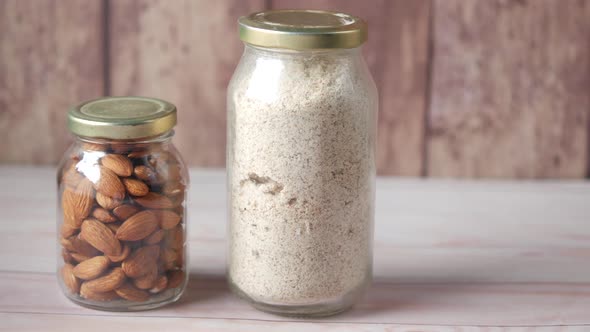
column 449, row 255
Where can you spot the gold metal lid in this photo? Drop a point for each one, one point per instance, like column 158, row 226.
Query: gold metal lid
column 302, row 29
column 122, row 117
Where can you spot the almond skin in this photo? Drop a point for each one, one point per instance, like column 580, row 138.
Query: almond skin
column 159, row 285
column 71, row 177
column 125, row 211
column 67, row 231
column 141, row 261
column 119, row 164
column 103, row 215
column 97, row 296
column 138, row 226
column 107, row 202
column 70, row 281
column 144, row 173
column 168, row 219
column 174, row 238
column 175, row 278
column 79, row 257
column 148, row 280
column 82, row 246
column 155, row 237
column 108, row 282
column 168, row 258
column 124, row 254
column 91, row 268
column 100, row 237
column 77, row 203
column 131, row 293
column 155, row 201
column 136, row 187
column 109, row 184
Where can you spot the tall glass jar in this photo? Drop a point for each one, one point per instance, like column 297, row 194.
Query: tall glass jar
column 122, row 206
column 302, row 110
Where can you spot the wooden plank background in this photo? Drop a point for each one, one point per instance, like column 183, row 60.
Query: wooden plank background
column 496, row 88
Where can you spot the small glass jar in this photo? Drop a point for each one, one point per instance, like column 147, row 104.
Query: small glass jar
column 122, row 206
column 302, row 110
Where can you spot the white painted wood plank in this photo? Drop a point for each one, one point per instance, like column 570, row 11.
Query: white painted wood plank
column 446, row 253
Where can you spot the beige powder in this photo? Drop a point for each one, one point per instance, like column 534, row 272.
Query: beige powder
column 301, row 171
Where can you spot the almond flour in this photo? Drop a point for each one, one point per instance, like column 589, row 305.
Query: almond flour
column 301, row 168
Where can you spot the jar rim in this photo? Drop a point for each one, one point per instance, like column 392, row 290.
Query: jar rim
column 123, row 118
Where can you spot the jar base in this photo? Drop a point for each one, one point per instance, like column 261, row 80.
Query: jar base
column 316, row 310
column 164, row 298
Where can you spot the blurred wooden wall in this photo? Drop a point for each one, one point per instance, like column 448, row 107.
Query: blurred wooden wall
column 497, row 88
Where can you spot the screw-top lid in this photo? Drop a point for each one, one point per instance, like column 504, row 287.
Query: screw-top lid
column 302, row 29
column 122, row 118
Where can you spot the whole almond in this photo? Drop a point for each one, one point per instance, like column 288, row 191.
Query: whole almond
column 91, row 268
column 159, row 285
column 103, row 215
column 69, row 279
column 168, row 219
column 131, row 293
column 138, row 226
column 136, row 187
column 121, row 148
column 173, row 188
column 71, row 177
column 88, row 146
column 144, row 173
column 107, row 202
column 89, row 294
column 125, row 211
column 100, row 237
column 148, row 280
column 175, row 278
column 66, row 244
column 174, row 238
column 119, row 164
column 109, row 184
column 67, row 257
column 124, row 254
column 155, row 237
column 141, row 261
column 79, row 257
column 77, row 203
column 114, row 226
column 108, row 282
column 153, row 200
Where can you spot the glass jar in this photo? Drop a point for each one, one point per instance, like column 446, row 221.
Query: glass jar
column 302, row 110
column 122, row 206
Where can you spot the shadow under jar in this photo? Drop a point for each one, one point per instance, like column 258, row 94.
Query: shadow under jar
column 122, row 206
column 302, row 110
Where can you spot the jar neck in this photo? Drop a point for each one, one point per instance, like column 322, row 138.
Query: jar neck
column 161, row 139
column 336, row 52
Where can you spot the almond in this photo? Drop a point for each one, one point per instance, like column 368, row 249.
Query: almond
column 108, row 282
column 138, row 226
column 124, row 254
column 109, row 184
column 173, row 188
column 122, row 148
column 148, row 280
column 71, row 178
column 77, row 203
column 67, row 231
column 100, row 237
column 159, row 285
column 91, row 268
column 97, row 296
column 141, row 261
column 131, row 293
column 87, row 146
column 67, row 257
column 119, row 164
column 175, row 278
column 144, row 173
column 66, row 244
column 69, row 279
column 103, row 215
column 114, row 226
column 125, row 211
column 155, row 201
column 155, row 237
column 107, row 202
column 136, row 187
column 168, row 219
column 168, row 258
